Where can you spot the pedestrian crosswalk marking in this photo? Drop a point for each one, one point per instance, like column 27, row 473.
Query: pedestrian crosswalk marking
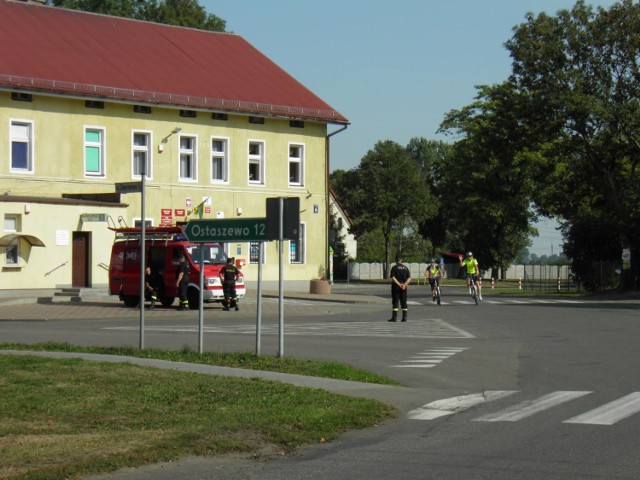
column 449, row 406
column 610, row 413
column 606, row 415
column 531, row 407
column 415, row 328
column 429, row 359
column 509, row 301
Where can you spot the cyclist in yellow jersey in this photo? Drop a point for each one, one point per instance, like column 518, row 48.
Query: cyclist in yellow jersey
column 473, row 271
column 432, row 273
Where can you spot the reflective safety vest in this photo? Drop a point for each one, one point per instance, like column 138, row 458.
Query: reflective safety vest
column 471, row 265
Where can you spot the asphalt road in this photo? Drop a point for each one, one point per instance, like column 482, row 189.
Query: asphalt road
column 515, row 388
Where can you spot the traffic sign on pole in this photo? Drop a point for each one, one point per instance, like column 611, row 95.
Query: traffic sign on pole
column 227, row 230
column 129, row 187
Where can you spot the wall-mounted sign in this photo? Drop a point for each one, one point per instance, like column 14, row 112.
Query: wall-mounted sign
column 166, row 216
column 62, row 237
column 93, row 217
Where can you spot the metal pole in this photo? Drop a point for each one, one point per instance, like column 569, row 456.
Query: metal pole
column 259, row 300
column 143, row 251
column 280, row 280
column 201, row 301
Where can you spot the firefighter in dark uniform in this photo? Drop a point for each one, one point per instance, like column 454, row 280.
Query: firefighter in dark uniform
column 400, row 280
column 229, row 274
column 182, row 282
column 151, row 286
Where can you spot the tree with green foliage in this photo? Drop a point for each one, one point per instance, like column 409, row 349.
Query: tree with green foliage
column 382, row 190
column 487, row 184
column 576, row 79
column 183, row 13
column 431, row 157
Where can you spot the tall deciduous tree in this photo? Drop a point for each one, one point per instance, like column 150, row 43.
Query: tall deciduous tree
column 487, row 182
column 576, row 76
column 382, row 190
column 184, row 13
column 431, row 157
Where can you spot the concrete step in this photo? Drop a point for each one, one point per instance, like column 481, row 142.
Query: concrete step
column 79, row 294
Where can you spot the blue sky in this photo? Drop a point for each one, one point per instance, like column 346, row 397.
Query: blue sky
column 394, row 68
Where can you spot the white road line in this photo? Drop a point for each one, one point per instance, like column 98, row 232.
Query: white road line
column 530, row 407
column 423, row 361
column 428, row 359
column 611, row 412
column 449, row 406
column 421, row 365
column 425, row 328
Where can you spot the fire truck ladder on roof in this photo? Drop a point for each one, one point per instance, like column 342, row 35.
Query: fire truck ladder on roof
column 152, row 234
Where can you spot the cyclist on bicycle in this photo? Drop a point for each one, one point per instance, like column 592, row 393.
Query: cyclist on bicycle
column 433, row 273
column 473, row 270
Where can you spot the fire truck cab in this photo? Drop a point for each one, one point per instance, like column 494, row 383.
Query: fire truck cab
column 163, row 247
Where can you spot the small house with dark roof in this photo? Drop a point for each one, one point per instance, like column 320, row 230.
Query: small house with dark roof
column 90, row 103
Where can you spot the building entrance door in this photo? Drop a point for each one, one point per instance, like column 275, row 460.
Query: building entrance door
column 80, row 260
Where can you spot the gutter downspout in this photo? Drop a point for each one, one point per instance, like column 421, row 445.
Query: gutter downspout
column 327, row 206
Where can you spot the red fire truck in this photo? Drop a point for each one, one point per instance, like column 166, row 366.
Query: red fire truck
column 163, row 247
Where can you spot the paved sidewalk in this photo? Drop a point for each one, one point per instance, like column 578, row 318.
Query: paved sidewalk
column 22, row 297
column 37, row 305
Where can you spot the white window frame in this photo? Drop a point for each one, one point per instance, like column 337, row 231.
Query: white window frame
column 302, row 241
column 148, row 149
column 16, row 222
column 222, row 156
column 264, row 253
column 102, row 147
column 15, row 245
column 30, row 145
column 257, row 159
column 299, row 161
column 193, row 153
column 148, row 222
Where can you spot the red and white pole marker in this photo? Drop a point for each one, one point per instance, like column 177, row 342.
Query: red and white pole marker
column 520, row 283
column 558, row 283
column 493, row 283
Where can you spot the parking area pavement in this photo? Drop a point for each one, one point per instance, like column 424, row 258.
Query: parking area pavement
column 43, row 306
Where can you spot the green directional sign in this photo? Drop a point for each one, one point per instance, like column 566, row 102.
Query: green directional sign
column 225, row 230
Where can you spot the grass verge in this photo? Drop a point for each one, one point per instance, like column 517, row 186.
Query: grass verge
column 68, row 418
column 247, row 360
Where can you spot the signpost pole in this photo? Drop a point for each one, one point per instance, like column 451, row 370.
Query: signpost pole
column 280, row 277
column 201, row 302
column 259, row 308
column 143, row 250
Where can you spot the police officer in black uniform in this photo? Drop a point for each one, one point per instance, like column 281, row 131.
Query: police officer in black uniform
column 229, row 274
column 400, row 280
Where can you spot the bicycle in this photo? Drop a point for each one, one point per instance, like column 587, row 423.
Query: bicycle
column 436, row 289
column 474, row 289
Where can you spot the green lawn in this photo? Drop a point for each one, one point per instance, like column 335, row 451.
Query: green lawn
column 66, row 418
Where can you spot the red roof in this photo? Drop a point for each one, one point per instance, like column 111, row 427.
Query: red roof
column 71, row 52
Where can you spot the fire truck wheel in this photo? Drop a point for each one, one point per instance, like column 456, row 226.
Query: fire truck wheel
column 167, row 301
column 131, row 301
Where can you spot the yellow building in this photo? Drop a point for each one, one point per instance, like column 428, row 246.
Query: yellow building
column 88, row 101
